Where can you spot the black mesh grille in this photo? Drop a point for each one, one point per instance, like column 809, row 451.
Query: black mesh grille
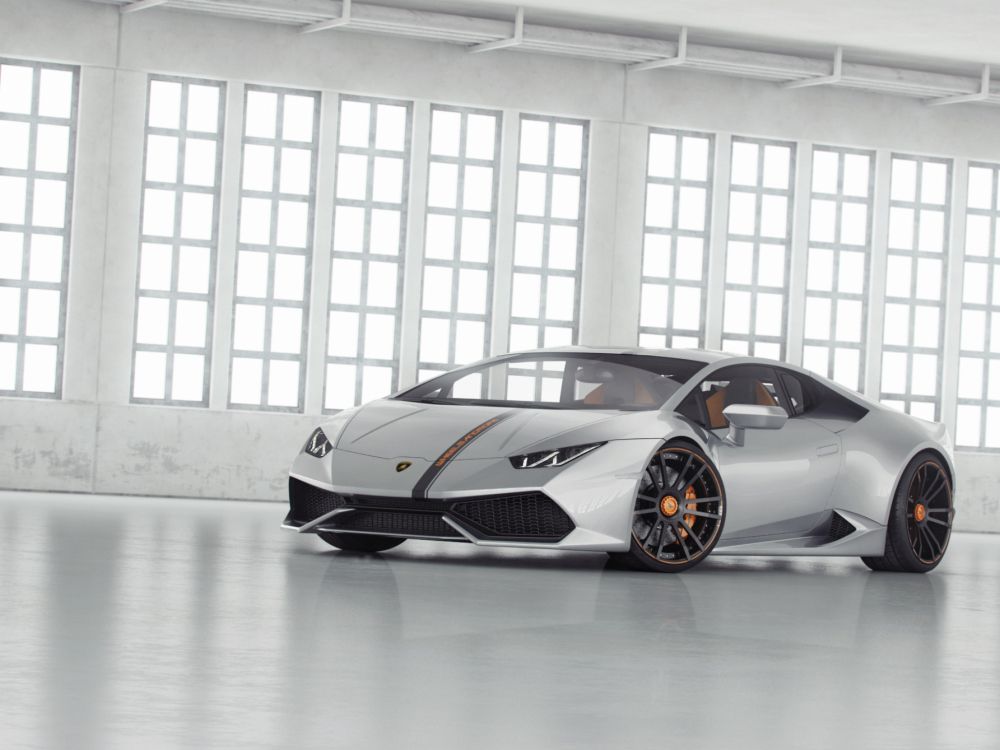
column 839, row 527
column 392, row 522
column 308, row 503
column 529, row 516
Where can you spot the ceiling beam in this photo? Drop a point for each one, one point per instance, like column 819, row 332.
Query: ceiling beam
column 621, row 49
column 836, row 77
column 513, row 41
column 140, row 5
column 343, row 19
column 980, row 96
column 667, row 62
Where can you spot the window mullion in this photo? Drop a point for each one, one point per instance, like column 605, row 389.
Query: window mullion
column 413, row 266
column 878, row 266
column 323, row 237
column 226, row 258
column 951, row 324
column 799, row 250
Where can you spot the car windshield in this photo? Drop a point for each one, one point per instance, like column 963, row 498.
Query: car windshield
column 627, row 382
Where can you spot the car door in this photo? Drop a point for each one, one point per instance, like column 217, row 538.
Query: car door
column 778, row 482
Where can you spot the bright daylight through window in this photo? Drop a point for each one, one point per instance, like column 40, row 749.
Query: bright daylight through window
column 38, row 105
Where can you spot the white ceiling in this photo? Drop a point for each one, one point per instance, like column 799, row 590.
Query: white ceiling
column 877, row 31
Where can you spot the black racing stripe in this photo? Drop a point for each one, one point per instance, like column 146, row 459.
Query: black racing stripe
column 442, row 461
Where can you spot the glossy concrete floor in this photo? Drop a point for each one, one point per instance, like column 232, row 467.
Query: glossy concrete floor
column 138, row 623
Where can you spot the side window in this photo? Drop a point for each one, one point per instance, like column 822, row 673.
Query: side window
column 744, row 384
column 798, row 394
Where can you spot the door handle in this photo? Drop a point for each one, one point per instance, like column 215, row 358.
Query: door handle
column 828, row 450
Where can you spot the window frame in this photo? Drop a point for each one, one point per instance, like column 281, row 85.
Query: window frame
column 27, row 228
column 912, row 302
column 990, row 309
column 542, row 323
column 674, row 233
column 837, row 247
column 756, row 240
column 362, row 308
column 176, row 241
column 273, row 249
column 427, row 368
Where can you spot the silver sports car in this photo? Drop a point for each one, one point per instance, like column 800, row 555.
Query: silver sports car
column 658, row 458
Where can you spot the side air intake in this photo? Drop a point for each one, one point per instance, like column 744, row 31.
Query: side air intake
column 839, row 528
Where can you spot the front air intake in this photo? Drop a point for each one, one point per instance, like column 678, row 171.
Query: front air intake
column 307, row 503
column 397, row 523
column 531, row 516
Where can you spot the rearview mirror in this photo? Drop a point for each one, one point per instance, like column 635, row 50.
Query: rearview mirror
column 594, row 374
column 744, row 417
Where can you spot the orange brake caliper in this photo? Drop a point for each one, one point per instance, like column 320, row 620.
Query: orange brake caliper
column 689, row 494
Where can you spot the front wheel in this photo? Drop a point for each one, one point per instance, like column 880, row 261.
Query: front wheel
column 679, row 512
column 919, row 527
column 359, row 542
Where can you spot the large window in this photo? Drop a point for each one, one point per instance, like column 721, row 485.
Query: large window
column 920, row 199
column 840, row 216
column 548, row 232
column 757, row 248
column 37, row 152
column 675, row 242
column 369, row 235
column 978, row 419
column 457, row 297
column 274, row 248
column 179, row 230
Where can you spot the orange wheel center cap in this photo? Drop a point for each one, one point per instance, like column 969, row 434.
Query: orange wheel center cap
column 920, row 512
column 669, row 505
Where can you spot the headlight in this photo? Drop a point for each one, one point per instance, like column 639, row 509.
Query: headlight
column 557, row 457
column 317, row 445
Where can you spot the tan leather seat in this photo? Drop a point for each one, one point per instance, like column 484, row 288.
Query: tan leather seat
column 640, row 395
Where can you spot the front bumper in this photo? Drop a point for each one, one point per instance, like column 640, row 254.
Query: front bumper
column 529, row 517
column 586, row 505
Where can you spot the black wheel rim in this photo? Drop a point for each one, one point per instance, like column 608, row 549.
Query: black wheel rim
column 929, row 512
column 679, row 508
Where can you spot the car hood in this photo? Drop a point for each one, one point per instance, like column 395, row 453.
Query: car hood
column 392, row 428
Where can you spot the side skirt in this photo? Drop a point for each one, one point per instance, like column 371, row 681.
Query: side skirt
column 867, row 538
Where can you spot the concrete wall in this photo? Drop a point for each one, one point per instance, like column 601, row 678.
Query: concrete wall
column 94, row 440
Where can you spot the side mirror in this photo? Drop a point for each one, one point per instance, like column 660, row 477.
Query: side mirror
column 744, row 417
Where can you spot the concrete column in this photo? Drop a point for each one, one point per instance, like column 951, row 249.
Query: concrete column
column 626, row 271
column 951, row 323
column 122, row 240
column 717, row 241
column 877, row 270
column 420, row 140
column 799, row 249
column 322, row 246
column 599, row 229
column 91, row 214
column 225, row 277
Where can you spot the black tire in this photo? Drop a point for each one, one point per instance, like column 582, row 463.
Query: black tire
column 920, row 518
column 679, row 512
column 360, row 542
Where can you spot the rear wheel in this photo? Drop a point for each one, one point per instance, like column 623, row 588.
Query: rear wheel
column 679, row 512
column 920, row 519
column 359, row 542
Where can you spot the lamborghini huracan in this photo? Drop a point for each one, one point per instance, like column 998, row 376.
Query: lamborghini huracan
column 657, row 457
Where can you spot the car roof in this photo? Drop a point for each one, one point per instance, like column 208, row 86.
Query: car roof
column 704, row 356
